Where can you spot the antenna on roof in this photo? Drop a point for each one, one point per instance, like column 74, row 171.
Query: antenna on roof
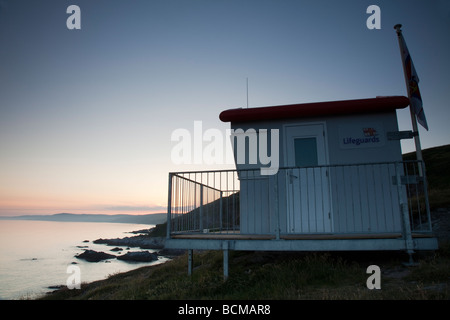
column 247, row 92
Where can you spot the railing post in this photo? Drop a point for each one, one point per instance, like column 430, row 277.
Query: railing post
column 425, row 193
column 404, row 212
column 221, row 210
column 169, row 208
column 201, row 209
column 277, row 214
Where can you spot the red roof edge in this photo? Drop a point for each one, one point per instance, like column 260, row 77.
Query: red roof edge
column 372, row 105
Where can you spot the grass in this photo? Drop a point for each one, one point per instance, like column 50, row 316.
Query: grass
column 276, row 276
column 439, row 198
column 438, row 174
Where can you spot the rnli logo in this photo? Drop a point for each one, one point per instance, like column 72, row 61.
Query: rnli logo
column 370, row 132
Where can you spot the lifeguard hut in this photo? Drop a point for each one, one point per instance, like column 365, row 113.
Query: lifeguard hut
column 341, row 184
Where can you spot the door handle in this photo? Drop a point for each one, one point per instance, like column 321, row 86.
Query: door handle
column 292, row 177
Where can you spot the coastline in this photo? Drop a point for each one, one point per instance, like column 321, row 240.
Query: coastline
column 143, row 239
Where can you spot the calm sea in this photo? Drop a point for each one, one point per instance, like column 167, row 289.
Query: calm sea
column 36, row 254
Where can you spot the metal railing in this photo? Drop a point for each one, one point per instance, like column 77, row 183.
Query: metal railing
column 203, row 202
column 334, row 199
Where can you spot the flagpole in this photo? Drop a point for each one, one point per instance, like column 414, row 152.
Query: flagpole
column 411, row 111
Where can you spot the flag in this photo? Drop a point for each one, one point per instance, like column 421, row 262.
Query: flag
column 413, row 84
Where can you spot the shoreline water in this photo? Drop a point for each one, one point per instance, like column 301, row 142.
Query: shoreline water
column 141, row 240
column 35, row 255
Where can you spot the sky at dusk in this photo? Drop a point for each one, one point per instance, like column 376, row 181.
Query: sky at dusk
column 86, row 116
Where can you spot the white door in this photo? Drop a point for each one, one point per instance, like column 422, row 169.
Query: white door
column 307, row 180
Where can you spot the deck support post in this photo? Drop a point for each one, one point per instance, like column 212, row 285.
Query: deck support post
column 225, row 259
column 190, row 261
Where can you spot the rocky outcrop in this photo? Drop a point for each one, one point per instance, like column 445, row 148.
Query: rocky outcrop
column 142, row 256
column 142, row 241
column 94, row 256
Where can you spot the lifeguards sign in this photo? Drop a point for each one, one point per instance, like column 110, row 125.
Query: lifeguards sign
column 367, row 135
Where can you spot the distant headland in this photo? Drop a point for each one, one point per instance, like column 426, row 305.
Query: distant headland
column 155, row 218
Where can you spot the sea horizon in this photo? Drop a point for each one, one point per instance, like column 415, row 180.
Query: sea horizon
column 35, row 255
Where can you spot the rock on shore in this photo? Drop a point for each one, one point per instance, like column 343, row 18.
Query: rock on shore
column 142, row 256
column 94, row 256
column 143, row 242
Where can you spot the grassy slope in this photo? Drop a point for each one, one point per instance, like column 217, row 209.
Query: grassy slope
column 438, row 174
column 436, row 162
column 263, row 275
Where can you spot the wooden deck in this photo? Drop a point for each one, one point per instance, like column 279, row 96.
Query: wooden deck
column 238, row 236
